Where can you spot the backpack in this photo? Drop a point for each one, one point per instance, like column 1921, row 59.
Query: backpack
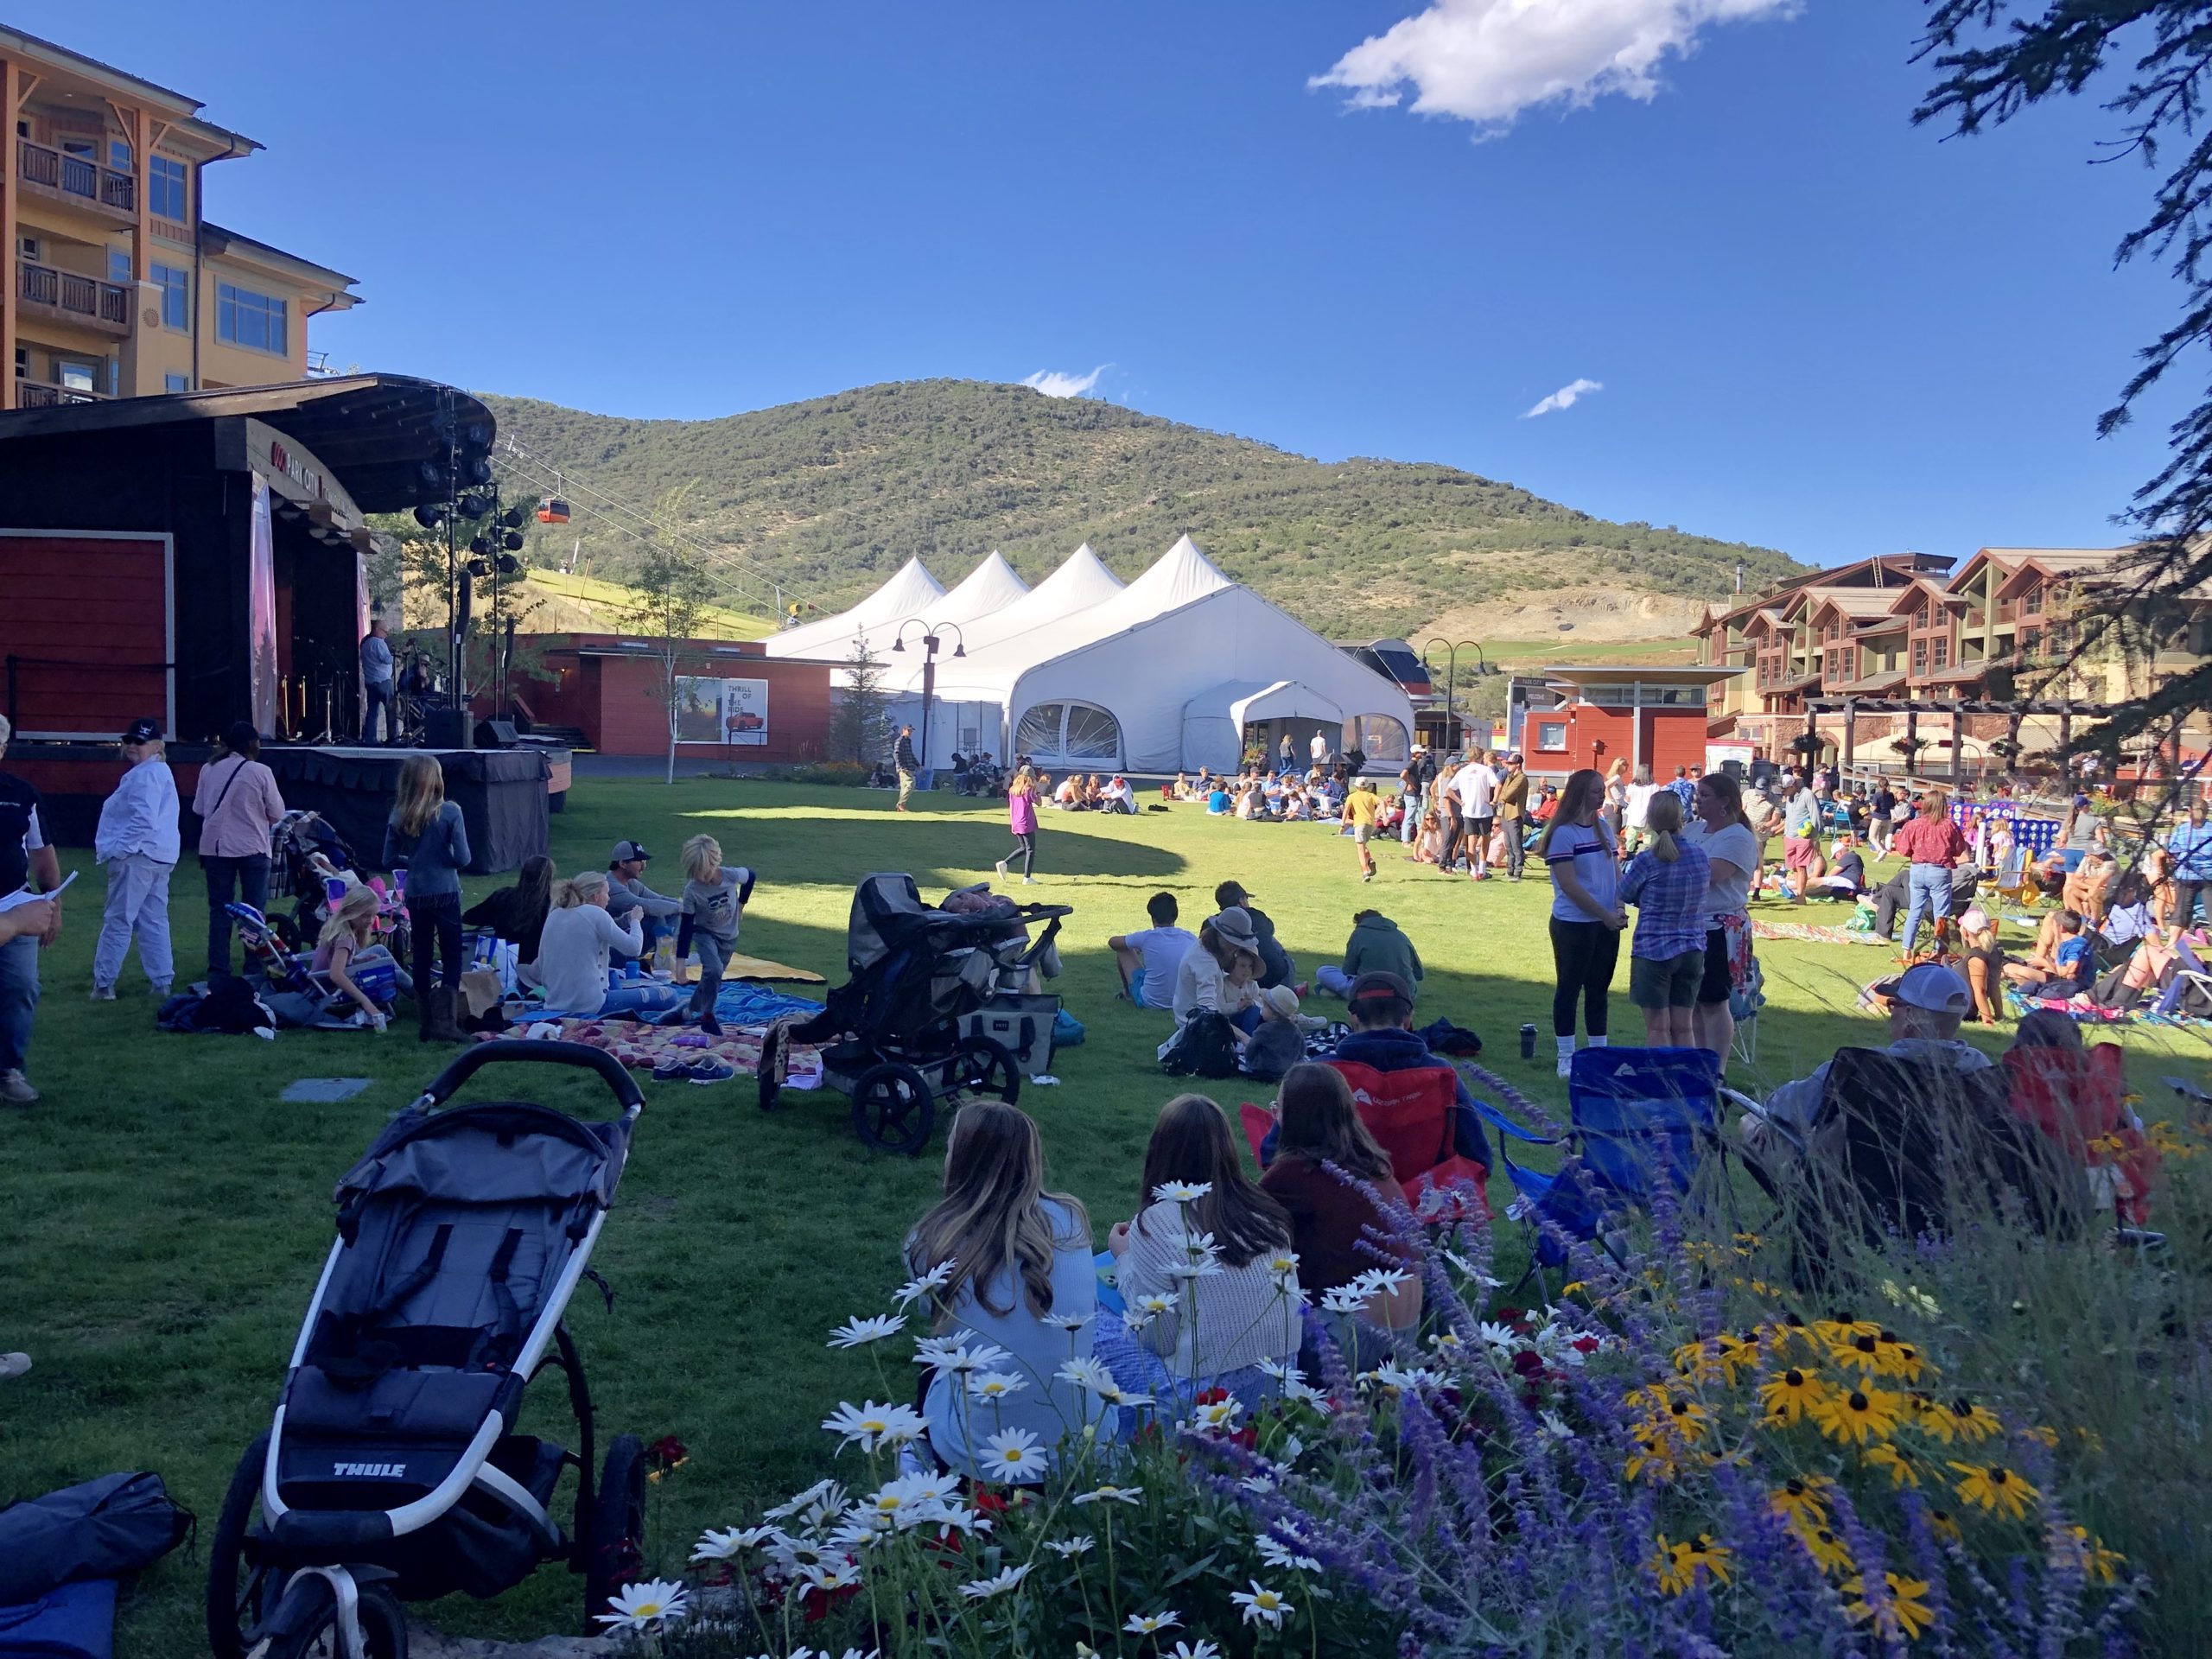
column 1205, row 1045
column 1444, row 1037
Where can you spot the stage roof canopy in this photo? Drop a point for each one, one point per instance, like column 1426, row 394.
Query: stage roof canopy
column 372, row 430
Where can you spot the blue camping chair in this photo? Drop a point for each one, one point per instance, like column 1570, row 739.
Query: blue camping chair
column 1642, row 1119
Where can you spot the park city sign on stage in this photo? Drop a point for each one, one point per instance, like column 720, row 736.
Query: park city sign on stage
column 293, row 473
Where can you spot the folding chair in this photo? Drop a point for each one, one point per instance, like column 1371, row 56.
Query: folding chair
column 2077, row 1098
column 1642, row 1119
column 1744, row 1005
column 1410, row 1114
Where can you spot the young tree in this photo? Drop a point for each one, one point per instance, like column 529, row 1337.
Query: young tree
column 856, row 725
column 1996, row 57
column 673, row 596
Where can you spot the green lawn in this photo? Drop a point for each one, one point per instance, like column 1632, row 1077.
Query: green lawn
column 166, row 1215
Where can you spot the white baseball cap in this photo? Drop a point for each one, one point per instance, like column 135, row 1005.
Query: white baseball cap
column 1935, row 987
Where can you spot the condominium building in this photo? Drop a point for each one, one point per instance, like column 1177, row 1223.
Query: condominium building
column 1908, row 631
column 121, row 285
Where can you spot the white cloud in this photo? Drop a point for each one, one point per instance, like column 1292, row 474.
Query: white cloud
column 1487, row 61
column 1056, row 383
column 1566, row 398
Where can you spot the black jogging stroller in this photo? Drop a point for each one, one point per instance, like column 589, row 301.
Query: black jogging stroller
column 393, row 1471
column 893, row 1036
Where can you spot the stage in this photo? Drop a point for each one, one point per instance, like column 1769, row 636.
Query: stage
column 504, row 795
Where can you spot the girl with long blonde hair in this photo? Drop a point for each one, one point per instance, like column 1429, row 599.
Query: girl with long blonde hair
column 350, row 931
column 1008, row 1265
column 427, row 838
column 1666, row 882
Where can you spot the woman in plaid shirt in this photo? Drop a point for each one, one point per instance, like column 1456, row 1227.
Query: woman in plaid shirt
column 1665, row 882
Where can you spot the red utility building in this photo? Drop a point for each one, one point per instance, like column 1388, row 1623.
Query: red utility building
column 738, row 702
column 1592, row 716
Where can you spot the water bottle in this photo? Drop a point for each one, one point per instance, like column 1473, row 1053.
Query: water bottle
column 1528, row 1042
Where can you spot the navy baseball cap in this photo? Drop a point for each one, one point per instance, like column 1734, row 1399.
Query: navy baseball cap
column 143, row 731
column 626, row 850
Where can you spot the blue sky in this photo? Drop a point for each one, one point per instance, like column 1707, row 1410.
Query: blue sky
column 1813, row 326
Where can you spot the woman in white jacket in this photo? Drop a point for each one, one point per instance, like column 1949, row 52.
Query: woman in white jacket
column 572, row 953
column 137, row 843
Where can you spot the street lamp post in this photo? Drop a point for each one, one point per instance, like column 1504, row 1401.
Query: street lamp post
column 1451, row 648
column 930, row 644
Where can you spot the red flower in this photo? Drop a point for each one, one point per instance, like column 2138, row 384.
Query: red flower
column 1507, row 1315
column 819, row 1602
column 988, row 1502
column 1529, row 1363
column 1585, row 1344
column 1213, row 1396
column 665, row 1454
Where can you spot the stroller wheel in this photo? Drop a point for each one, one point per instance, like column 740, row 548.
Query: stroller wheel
column 238, row 1595
column 983, row 1066
column 613, row 1534
column 307, row 1627
column 892, row 1108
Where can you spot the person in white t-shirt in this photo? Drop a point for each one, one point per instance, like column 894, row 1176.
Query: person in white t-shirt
column 1636, row 809
column 1732, row 850
column 1476, row 785
column 1149, row 961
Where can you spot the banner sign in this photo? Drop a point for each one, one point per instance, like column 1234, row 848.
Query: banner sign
column 733, row 713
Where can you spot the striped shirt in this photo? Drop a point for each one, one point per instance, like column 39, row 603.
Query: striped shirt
column 1670, row 916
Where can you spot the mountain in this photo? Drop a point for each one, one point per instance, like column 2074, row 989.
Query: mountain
column 833, row 493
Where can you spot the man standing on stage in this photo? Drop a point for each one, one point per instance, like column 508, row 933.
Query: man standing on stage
column 23, row 854
column 376, row 685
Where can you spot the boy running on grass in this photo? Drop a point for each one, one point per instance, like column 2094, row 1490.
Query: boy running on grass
column 1361, row 807
column 713, row 899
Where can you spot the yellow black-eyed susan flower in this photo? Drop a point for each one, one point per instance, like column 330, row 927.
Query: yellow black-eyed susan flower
column 1790, row 1395
column 1904, row 1612
column 1855, row 1416
column 1800, row 1500
column 1995, row 1488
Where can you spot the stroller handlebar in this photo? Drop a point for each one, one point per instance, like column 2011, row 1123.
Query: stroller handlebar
column 611, row 1071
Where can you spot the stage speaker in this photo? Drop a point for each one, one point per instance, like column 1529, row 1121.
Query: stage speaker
column 445, row 729
column 495, row 733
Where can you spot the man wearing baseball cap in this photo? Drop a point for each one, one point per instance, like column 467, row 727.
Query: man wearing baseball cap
column 1927, row 1004
column 1275, row 965
column 626, row 891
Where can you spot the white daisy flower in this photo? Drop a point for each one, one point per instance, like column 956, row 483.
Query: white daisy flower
column 1180, row 1191
column 1084, row 1374
column 1156, row 1303
column 1293, row 1448
column 952, row 1356
column 1218, row 1416
column 822, row 1501
column 1152, row 1623
column 838, row 1575
column 1472, row 1271
column 1200, row 1650
column 1498, row 1336
column 1282, row 1264
column 726, row 1545
column 1261, row 1603
column 858, row 1332
column 1275, row 1554
column 995, row 1385
column 1262, row 1483
column 1013, row 1456
column 1068, row 1548
column 997, row 1585
column 1555, row 1426
column 1345, row 1299
column 914, row 1289
column 646, row 1606
column 870, row 1426
column 1107, row 1492
column 1068, row 1321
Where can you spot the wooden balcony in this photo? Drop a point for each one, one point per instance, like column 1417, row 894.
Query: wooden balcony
column 68, row 296
column 37, row 394
column 77, row 180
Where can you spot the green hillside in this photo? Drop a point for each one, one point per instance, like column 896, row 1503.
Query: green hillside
column 836, row 492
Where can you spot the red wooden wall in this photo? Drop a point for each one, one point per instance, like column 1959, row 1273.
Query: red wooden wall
column 100, row 604
column 1598, row 736
column 616, row 702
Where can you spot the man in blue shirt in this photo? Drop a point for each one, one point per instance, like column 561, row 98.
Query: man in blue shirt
column 2192, row 846
column 375, row 684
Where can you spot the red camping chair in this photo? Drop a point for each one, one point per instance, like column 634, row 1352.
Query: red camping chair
column 2077, row 1098
column 1409, row 1115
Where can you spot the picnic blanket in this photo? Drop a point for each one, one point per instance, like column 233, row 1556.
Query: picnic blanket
column 643, row 1047
column 760, row 967
column 2087, row 1014
column 1816, row 932
column 744, row 1003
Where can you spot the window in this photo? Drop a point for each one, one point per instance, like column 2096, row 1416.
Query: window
column 2031, row 601
column 118, row 155
column 1551, row 735
column 1068, row 731
column 176, row 296
column 176, row 383
column 119, row 265
column 166, row 195
column 22, row 363
column 1919, row 658
column 1942, row 654
column 78, row 376
column 26, row 247
column 254, row 320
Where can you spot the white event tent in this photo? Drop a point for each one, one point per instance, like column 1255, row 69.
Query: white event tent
column 1160, row 676
column 911, row 591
